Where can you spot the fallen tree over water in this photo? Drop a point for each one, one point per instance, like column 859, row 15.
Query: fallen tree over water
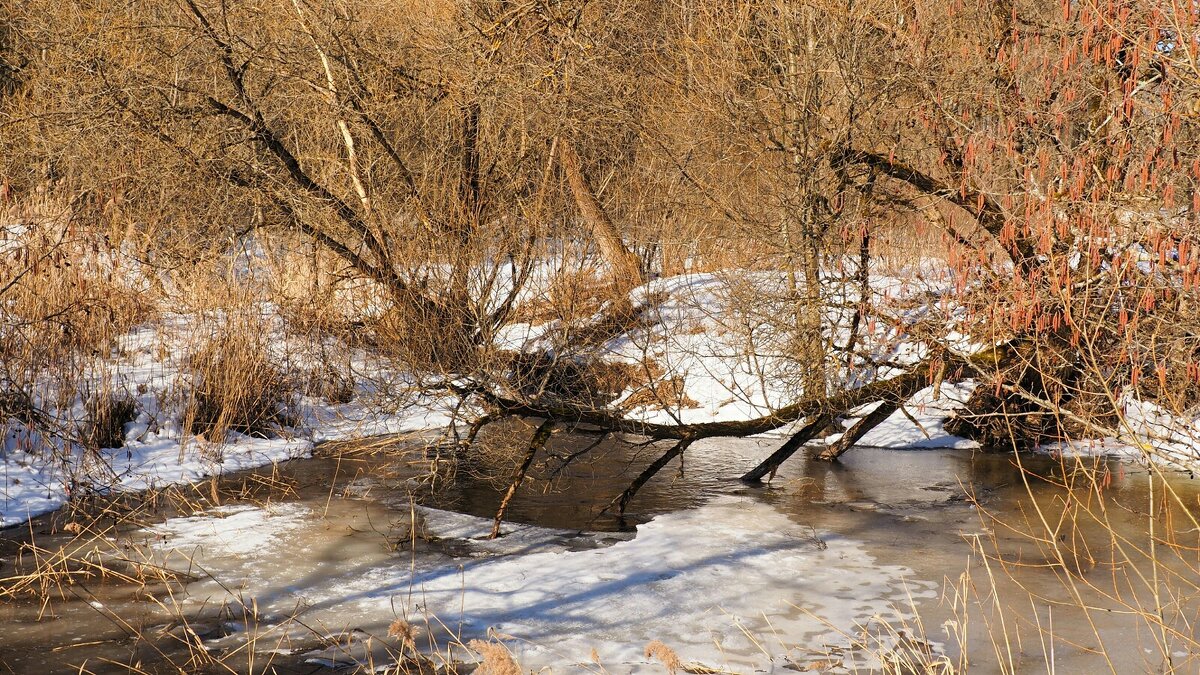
column 449, row 161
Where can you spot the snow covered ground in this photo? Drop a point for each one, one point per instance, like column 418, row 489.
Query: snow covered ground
column 729, row 365
column 34, row 485
column 734, row 585
column 41, row 471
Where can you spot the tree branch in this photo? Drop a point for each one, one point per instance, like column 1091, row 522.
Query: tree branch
column 984, row 209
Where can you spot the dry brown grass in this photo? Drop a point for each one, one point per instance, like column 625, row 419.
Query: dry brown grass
column 497, row 660
column 570, row 297
column 667, row 393
column 664, row 655
column 65, row 296
column 107, row 415
column 236, row 386
column 64, row 299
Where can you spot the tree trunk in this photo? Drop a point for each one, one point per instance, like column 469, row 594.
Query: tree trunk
column 785, row 451
column 626, row 269
column 860, row 429
column 622, row 501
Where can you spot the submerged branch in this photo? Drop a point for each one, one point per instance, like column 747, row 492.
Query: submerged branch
column 789, row 448
column 622, row 501
column 536, row 444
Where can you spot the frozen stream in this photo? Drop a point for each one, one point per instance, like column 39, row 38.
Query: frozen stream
column 816, row 572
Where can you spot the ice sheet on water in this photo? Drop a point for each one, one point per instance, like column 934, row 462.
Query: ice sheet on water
column 237, row 530
column 701, row 580
column 733, row 584
column 515, row 538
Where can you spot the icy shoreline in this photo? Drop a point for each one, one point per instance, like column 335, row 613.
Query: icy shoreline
column 733, row 585
column 687, row 335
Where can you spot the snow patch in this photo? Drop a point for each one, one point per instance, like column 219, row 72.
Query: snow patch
column 239, row 530
column 702, row 581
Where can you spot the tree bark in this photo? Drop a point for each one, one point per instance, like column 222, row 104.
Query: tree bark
column 858, row 430
column 627, row 270
column 988, row 214
column 900, row 387
column 622, row 501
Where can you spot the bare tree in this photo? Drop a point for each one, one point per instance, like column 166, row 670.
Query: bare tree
column 447, row 154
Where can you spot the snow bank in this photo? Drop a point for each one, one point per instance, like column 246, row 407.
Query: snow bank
column 34, row 484
column 30, row 485
column 40, row 471
column 1149, row 433
column 922, row 422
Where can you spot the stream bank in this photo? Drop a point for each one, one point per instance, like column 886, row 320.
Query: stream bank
column 820, row 570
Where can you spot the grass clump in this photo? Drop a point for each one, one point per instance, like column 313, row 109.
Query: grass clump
column 665, row 655
column 107, row 416
column 236, row 386
column 497, row 660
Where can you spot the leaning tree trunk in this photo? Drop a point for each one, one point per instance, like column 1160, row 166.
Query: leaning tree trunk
column 625, row 267
column 535, row 445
